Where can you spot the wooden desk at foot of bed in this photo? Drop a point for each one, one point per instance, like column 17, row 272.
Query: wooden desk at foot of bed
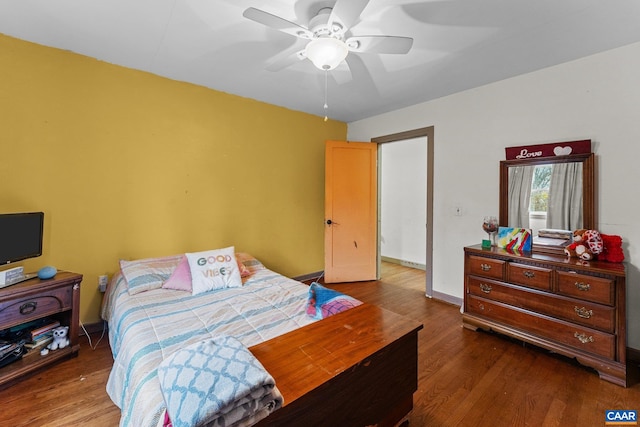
column 357, row 368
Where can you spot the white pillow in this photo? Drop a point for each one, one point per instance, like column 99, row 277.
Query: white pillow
column 215, row 269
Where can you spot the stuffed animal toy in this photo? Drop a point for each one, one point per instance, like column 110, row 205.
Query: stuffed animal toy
column 60, row 339
column 612, row 248
column 586, row 244
column 570, row 249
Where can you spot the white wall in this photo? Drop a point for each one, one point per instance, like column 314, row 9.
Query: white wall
column 403, row 200
column 597, row 98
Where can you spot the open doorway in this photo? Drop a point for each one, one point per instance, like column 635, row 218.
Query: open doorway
column 405, row 227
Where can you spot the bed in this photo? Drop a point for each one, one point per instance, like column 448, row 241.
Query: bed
column 357, row 367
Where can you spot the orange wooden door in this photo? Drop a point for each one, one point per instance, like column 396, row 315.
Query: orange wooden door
column 351, row 211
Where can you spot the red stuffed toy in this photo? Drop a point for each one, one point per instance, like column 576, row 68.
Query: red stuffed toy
column 612, row 250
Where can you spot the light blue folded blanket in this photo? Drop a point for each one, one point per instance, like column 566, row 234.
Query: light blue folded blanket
column 217, row 382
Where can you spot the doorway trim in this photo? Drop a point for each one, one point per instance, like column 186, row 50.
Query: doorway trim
column 427, row 132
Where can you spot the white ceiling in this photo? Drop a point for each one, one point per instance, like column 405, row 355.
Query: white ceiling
column 458, row 44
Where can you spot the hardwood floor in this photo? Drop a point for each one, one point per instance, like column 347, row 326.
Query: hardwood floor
column 465, row 378
column 404, row 277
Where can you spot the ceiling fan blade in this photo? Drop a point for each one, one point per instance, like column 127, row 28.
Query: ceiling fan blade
column 345, row 14
column 285, row 60
column 379, row 44
column 277, row 23
column 361, row 74
column 342, row 73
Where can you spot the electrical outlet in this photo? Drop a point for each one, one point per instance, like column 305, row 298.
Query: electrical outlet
column 102, row 282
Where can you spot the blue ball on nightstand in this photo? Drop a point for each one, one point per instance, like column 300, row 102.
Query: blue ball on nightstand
column 47, row 272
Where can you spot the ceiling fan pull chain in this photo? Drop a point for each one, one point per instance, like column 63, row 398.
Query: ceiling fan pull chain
column 326, row 106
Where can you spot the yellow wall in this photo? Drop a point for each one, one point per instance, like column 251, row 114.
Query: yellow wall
column 127, row 165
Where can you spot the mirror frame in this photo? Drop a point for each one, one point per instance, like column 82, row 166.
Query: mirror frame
column 588, row 184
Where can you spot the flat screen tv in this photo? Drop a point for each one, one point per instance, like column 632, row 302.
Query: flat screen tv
column 20, row 236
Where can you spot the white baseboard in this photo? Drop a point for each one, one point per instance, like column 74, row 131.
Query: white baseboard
column 404, row 263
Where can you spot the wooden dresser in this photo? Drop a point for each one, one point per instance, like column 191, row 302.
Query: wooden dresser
column 57, row 298
column 571, row 307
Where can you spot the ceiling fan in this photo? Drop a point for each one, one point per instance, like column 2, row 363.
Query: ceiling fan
column 330, row 40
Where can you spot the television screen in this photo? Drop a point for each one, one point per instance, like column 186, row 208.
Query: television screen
column 20, row 236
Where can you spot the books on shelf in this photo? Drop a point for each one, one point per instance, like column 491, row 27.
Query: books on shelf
column 40, row 342
column 30, row 332
column 25, row 337
column 44, row 329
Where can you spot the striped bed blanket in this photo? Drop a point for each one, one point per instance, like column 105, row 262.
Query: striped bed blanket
column 149, row 327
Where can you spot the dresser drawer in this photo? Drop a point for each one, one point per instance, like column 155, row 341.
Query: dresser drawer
column 486, row 267
column 596, row 316
column 533, row 277
column 586, row 287
column 21, row 310
column 565, row 333
column 486, row 288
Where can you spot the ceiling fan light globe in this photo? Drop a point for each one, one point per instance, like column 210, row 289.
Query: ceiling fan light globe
column 326, row 53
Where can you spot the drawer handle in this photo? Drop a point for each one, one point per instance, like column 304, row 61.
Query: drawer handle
column 583, row 338
column 485, row 288
column 28, row 307
column 485, row 267
column 583, row 286
column 529, row 274
column 583, row 312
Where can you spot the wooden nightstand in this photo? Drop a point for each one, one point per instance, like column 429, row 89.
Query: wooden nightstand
column 57, row 298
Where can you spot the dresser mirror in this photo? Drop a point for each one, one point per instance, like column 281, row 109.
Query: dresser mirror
column 549, row 194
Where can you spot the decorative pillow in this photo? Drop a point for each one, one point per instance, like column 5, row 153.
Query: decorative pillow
column 180, row 280
column 244, row 270
column 146, row 274
column 324, row 302
column 251, row 263
column 216, row 382
column 215, row 269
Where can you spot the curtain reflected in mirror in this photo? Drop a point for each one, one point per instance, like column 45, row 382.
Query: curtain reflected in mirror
column 564, row 211
column 520, row 181
column 546, row 196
